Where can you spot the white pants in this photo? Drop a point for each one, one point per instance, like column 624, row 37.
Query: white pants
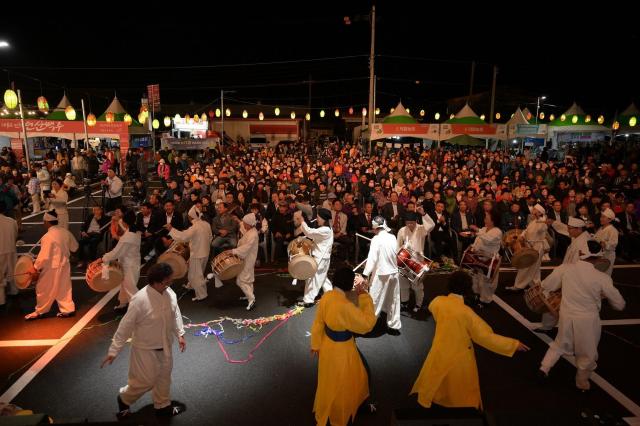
column 246, row 287
column 527, row 275
column 7, row 282
column 54, row 285
column 35, row 199
column 149, row 370
column 611, row 257
column 63, row 219
column 577, row 336
column 406, row 285
column 129, row 285
column 317, row 282
column 484, row 286
column 196, row 276
column 385, row 292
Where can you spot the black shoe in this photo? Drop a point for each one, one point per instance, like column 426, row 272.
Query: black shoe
column 124, row 410
column 66, row 314
column 541, row 377
column 305, row 305
column 171, row 410
column 120, row 308
column 404, row 307
column 393, row 331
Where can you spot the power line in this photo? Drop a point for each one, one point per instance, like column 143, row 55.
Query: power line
column 174, row 67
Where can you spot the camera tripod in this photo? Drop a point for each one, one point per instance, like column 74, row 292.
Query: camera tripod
column 90, row 202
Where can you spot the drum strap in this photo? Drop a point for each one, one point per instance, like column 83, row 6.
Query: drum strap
column 338, row 336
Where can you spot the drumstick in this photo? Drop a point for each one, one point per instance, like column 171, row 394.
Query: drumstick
column 359, row 265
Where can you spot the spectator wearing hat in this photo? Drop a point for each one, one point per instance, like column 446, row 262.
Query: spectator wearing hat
column 607, row 236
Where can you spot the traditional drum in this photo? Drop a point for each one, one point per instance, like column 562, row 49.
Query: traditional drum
column 176, row 256
column 102, row 277
column 412, row 265
column 524, row 257
column 302, row 266
column 23, row 277
column 480, row 263
column 510, row 237
column 227, row 265
column 536, row 301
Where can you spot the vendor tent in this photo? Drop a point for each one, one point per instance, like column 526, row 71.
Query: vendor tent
column 629, row 121
column 518, row 127
column 575, row 126
column 467, row 122
column 400, row 124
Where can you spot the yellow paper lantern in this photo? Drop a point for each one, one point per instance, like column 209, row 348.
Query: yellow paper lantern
column 276, row 111
column 437, row 116
column 529, row 115
column 176, row 117
column 350, row 110
column 336, row 112
column 364, row 112
column 377, row 111
column 616, row 125
column 142, row 117
column 167, row 121
column 482, row 117
column 218, row 112
column 307, row 116
column 187, row 118
column 109, row 117
column 422, row 113
column 552, row 117
column 498, row 116
column 70, row 113
column 601, row 119
column 633, row 121
column 10, row 99
column 574, row 119
column 293, row 115
column 43, row 104
column 245, row 114
column 541, row 115
column 127, row 119
column 227, row 112
column 261, row 116
column 91, row 120
column 563, row 117
column 391, row 110
column 321, row 113
column 155, row 124
column 587, row 119
column 196, row 118
column 452, row 116
column 203, row 117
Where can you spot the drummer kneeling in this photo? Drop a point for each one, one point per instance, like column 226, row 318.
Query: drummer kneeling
column 579, row 327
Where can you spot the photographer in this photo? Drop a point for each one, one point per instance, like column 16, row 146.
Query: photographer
column 112, row 187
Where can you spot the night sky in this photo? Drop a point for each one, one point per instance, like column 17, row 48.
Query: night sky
column 589, row 55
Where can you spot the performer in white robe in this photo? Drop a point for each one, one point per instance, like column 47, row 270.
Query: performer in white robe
column 607, row 235
column 248, row 250
column 487, row 243
column 535, row 237
column 583, row 288
column 8, row 255
column 199, row 237
column 127, row 253
column 58, row 201
column 412, row 236
column 52, row 270
column 382, row 268
column 322, row 236
column 151, row 322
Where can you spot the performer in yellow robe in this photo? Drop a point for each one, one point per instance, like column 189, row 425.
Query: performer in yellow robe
column 343, row 383
column 449, row 376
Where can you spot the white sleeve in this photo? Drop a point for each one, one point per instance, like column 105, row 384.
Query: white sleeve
column 242, row 251
column 554, row 280
column 612, row 294
column 73, row 243
column 124, row 331
column 179, row 325
column 114, row 254
column 372, row 258
column 182, row 236
column 427, row 223
column 116, row 186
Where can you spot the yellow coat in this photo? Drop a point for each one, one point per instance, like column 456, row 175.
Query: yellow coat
column 449, row 376
column 342, row 379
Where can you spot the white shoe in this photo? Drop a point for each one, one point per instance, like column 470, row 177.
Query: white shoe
column 197, row 299
column 210, row 275
column 294, row 282
column 218, row 283
column 251, row 304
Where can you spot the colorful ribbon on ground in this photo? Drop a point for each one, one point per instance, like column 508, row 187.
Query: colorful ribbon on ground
column 254, row 325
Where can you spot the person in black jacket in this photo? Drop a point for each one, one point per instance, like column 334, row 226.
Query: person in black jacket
column 148, row 222
column 91, row 234
column 461, row 220
column 514, row 218
column 282, row 228
column 630, row 232
column 175, row 219
column 440, row 236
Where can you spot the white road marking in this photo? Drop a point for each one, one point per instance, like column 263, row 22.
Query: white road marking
column 22, row 343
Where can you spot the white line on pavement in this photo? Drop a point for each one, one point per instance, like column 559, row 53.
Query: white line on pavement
column 22, row 343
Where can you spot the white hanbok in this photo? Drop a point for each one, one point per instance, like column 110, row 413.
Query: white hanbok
column 535, row 236
column 384, row 287
column 415, row 241
column 54, row 283
column 583, row 288
column 127, row 253
column 323, row 238
column 8, row 256
column 152, row 321
column 608, row 237
column 59, row 203
column 488, row 244
column 248, row 250
column 199, row 237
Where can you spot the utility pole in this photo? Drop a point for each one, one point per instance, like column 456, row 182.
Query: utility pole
column 221, row 119
column 307, row 125
column 493, row 94
column 372, row 77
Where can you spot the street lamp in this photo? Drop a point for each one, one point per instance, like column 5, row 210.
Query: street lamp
column 538, row 106
column 4, row 44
